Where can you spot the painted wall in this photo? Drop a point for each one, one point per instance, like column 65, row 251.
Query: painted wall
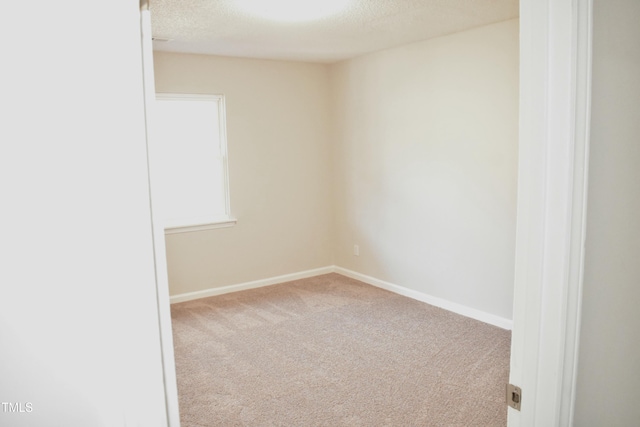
column 608, row 371
column 79, row 335
column 425, row 149
column 279, row 170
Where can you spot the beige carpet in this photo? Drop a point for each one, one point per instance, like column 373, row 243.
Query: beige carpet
column 332, row 351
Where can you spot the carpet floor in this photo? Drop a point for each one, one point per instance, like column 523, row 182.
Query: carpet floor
column 333, row 351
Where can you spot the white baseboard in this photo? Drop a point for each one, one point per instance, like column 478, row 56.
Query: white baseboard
column 251, row 285
column 463, row 310
column 400, row 290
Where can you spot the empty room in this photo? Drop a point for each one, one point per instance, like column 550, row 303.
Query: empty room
column 351, row 270
column 353, row 260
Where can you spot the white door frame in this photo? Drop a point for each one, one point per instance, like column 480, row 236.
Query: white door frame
column 555, row 80
column 159, row 250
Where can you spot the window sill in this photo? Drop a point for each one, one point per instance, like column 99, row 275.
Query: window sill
column 230, row 222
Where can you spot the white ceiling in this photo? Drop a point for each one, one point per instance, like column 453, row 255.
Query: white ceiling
column 222, row 27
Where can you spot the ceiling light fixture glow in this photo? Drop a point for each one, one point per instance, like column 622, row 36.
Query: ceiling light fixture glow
column 293, row 10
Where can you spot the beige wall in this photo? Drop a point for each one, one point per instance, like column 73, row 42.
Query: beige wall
column 425, row 140
column 608, row 384
column 279, row 170
column 410, row 152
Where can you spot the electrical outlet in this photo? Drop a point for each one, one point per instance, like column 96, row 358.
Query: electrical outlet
column 356, row 250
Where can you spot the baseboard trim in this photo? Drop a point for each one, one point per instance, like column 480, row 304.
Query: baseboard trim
column 250, row 285
column 463, row 310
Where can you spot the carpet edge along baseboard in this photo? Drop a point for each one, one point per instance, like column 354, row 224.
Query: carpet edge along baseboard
column 463, row 310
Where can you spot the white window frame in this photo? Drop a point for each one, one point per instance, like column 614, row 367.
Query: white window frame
column 207, row 223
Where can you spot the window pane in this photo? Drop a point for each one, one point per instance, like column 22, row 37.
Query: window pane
column 189, row 159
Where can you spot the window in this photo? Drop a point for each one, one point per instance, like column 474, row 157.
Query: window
column 190, row 156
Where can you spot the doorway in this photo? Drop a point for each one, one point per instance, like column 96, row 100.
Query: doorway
column 539, row 227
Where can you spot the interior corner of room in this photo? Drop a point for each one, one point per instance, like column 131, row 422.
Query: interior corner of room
column 327, row 157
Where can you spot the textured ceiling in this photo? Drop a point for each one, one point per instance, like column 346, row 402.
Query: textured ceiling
column 222, row 27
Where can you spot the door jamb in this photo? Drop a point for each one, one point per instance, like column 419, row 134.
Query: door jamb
column 159, row 249
column 555, row 98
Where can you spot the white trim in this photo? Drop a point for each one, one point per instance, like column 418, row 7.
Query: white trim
column 224, row 152
column 200, row 227
column 553, row 160
column 460, row 309
column 159, row 249
column 581, row 116
column 175, row 96
column 250, row 285
column 400, row 290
